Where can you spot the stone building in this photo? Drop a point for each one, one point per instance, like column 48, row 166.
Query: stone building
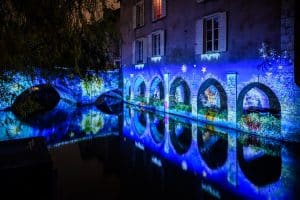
column 227, row 62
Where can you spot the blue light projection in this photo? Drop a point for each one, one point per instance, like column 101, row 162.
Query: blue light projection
column 66, row 122
column 70, row 87
column 61, row 125
column 213, row 90
column 245, row 165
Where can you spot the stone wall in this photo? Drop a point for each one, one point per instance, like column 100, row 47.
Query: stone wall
column 71, row 87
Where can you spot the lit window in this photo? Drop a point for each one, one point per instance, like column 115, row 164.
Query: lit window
column 211, row 34
column 158, row 9
column 138, row 15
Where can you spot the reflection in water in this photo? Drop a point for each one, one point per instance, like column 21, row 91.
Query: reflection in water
column 128, row 114
column 157, row 127
column 212, row 146
column 181, row 136
column 61, row 125
column 228, row 164
column 92, row 122
column 260, row 160
column 258, row 168
column 140, row 121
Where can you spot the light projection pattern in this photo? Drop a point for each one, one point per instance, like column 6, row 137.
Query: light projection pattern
column 273, row 72
column 70, row 87
column 91, row 85
column 63, row 125
column 157, row 93
column 255, row 149
column 92, row 122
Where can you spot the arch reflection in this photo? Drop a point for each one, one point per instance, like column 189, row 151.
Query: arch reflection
column 213, row 146
column 128, row 113
column 181, row 136
column 259, row 159
column 139, row 122
column 157, row 127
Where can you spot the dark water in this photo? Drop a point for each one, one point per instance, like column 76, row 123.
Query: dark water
column 146, row 155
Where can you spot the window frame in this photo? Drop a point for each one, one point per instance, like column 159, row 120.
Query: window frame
column 201, row 42
column 213, row 39
column 139, row 51
column 139, row 14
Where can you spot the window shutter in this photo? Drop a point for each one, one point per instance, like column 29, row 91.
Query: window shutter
column 149, row 52
column 162, row 42
column 134, row 17
column 199, row 37
column 133, row 53
column 164, row 8
column 143, row 13
column 145, row 49
column 222, row 31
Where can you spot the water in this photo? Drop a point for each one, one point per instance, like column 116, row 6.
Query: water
column 147, row 155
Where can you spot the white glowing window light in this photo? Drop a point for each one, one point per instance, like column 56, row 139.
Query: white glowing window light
column 139, row 66
column 210, row 56
column 156, row 58
column 156, row 161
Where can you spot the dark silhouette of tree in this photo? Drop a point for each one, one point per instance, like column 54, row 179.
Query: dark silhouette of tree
column 79, row 34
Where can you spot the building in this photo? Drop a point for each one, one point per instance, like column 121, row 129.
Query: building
column 227, row 62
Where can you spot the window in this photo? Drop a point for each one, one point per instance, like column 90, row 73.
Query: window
column 157, row 43
column 139, row 51
column 211, row 34
column 158, row 9
column 138, row 15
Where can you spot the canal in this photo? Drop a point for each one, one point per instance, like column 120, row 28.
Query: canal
column 143, row 154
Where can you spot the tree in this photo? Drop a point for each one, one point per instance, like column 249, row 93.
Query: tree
column 75, row 34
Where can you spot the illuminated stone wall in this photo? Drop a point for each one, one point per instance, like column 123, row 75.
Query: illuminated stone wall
column 74, row 89
column 259, row 57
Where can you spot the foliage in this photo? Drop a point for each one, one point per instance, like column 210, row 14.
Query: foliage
column 140, row 99
column 92, row 122
column 182, row 107
column 66, row 33
column 91, row 84
column 213, row 112
column 260, row 122
column 156, row 102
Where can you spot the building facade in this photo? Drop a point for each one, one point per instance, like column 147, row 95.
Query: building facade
column 229, row 63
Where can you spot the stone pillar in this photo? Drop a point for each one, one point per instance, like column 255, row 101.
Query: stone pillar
column 232, row 97
column 167, row 91
column 147, row 93
column 194, row 105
